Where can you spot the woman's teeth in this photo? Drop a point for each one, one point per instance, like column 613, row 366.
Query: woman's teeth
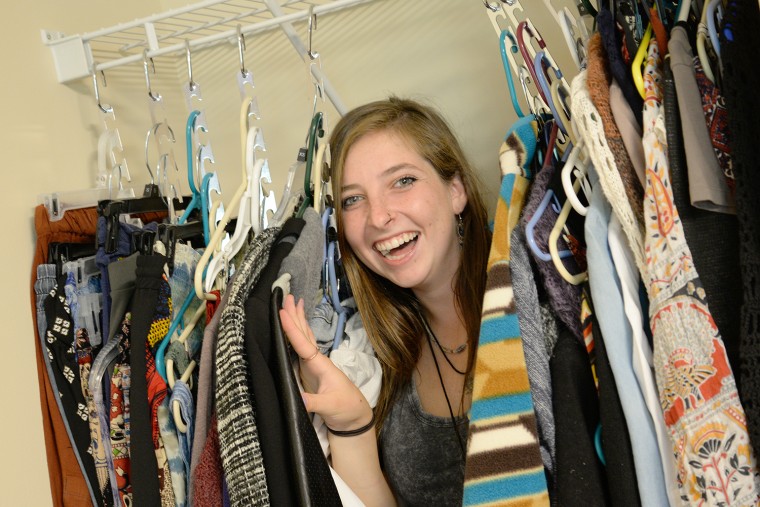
column 385, row 247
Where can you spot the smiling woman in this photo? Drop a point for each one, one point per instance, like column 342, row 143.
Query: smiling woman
column 414, row 240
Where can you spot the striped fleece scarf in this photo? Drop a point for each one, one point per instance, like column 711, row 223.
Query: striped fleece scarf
column 504, row 464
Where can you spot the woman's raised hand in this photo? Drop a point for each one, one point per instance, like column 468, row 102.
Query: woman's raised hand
column 328, row 391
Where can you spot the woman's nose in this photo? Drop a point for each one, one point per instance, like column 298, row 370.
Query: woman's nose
column 380, row 214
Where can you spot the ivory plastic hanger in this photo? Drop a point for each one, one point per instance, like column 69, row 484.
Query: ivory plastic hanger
column 573, row 164
column 200, row 312
column 557, row 256
column 702, row 35
column 219, row 232
column 316, row 176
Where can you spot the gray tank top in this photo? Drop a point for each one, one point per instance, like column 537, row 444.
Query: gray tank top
column 420, row 454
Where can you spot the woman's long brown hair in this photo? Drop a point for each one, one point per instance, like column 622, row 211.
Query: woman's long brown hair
column 391, row 315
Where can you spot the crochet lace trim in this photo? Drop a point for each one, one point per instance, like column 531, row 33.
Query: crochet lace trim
column 589, row 127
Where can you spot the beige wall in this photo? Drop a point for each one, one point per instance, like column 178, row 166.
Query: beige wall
column 445, row 52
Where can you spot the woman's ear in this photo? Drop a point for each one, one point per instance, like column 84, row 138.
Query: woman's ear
column 458, row 194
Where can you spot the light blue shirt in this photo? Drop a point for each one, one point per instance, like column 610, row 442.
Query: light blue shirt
column 607, row 298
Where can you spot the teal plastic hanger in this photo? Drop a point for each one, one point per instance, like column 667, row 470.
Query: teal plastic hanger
column 196, row 202
column 177, row 322
column 316, row 132
column 507, row 68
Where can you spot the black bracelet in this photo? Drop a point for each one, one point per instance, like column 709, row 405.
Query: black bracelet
column 353, row 433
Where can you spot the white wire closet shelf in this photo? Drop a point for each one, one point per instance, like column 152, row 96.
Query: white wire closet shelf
column 201, row 25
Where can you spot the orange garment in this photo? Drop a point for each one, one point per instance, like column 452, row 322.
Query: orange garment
column 67, row 484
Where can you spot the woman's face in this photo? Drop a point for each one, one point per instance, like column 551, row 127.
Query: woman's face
column 399, row 216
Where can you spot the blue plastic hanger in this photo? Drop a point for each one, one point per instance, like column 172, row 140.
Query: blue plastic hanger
column 329, row 276
column 549, row 196
column 541, row 65
column 530, row 234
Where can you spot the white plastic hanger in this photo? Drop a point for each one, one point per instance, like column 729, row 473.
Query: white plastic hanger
column 109, row 148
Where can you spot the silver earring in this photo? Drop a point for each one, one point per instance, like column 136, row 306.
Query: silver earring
column 460, row 229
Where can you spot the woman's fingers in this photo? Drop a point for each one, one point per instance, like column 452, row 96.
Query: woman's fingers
column 293, row 319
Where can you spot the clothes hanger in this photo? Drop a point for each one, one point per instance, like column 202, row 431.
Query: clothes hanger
column 234, row 201
column 334, row 294
column 684, row 7
column 576, row 42
column 560, row 96
column 589, row 8
column 541, row 66
column 506, row 56
column 247, row 217
column 638, row 61
column 163, row 134
column 315, row 133
column 702, row 35
column 529, row 53
column 109, row 148
column 186, row 375
column 316, row 177
column 555, row 255
column 113, row 209
column 578, row 168
column 530, row 235
column 329, row 274
column 550, row 197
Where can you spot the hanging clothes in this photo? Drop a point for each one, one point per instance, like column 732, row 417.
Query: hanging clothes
column 740, row 44
column 697, row 389
column 67, row 481
column 238, row 437
column 497, row 469
column 707, row 185
column 538, row 328
column 713, row 238
column 610, row 313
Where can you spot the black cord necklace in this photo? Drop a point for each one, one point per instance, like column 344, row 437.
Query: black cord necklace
column 445, row 394
column 430, row 334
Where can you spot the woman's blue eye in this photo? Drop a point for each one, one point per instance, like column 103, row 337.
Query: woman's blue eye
column 405, row 181
column 349, row 201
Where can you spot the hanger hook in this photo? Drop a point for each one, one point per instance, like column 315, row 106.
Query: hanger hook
column 110, row 178
column 491, row 7
column 312, row 28
column 103, row 107
column 524, row 77
column 191, row 83
column 155, row 97
column 241, row 50
column 147, row 162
